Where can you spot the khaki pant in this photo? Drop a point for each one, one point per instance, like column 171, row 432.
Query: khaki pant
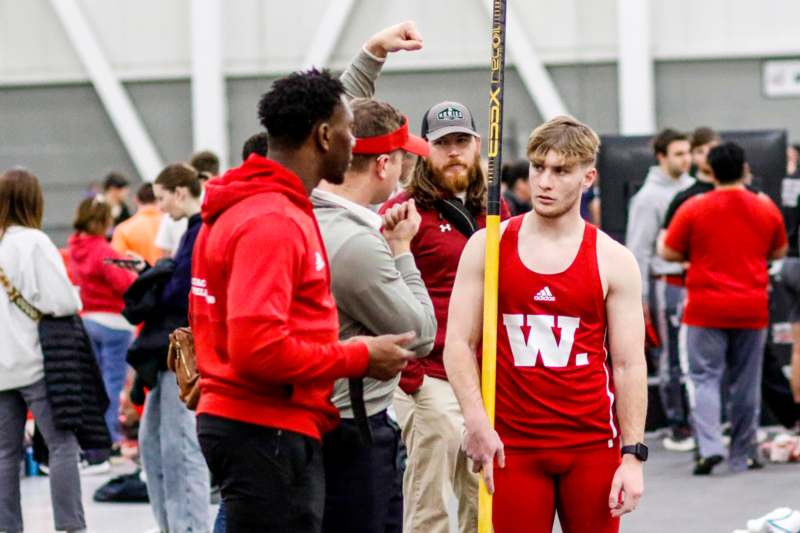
column 432, row 427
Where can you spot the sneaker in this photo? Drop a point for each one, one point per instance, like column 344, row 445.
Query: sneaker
column 726, row 434
column 704, row 465
column 681, row 440
column 781, row 520
column 116, row 450
column 784, row 522
column 116, row 457
column 754, row 464
column 96, row 469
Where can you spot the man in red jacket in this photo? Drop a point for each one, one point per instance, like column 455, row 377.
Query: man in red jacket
column 449, row 189
column 265, row 322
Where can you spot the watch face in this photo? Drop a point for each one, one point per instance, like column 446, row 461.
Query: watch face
column 642, row 451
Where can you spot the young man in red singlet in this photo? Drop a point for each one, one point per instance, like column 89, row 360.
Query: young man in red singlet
column 569, row 428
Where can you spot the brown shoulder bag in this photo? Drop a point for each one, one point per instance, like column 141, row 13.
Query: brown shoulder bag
column 182, row 360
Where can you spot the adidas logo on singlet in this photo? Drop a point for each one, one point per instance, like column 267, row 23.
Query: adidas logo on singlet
column 544, row 295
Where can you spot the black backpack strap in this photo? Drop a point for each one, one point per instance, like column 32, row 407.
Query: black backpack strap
column 455, row 212
column 356, row 386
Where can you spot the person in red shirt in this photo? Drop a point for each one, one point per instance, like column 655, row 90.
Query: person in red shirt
column 102, row 286
column 727, row 236
column 449, row 189
column 264, row 319
column 569, row 296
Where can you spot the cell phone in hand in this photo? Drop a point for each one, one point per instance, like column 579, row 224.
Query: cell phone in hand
column 122, row 263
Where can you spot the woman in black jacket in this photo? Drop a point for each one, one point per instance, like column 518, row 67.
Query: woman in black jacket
column 177, row 475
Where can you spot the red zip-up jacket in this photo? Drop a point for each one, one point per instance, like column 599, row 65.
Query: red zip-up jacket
column 264, row 320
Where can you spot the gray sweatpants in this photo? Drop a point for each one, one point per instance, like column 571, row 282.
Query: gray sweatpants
column 65, row 482
column 711, row 353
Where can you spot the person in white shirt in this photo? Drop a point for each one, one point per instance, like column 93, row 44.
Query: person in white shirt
column 169, row 235
column 31, row 264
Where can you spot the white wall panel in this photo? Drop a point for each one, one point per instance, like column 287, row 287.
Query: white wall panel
column 143, row 36
column 571, row 31
column 687, row 29
column 33, row 45
column 264, row 36
column 455, row 32
column 149, row 39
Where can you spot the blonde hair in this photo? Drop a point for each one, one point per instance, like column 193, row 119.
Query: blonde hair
column 572, row 139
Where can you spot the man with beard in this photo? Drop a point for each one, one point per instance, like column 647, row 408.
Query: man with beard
column 563, row 416
column 264, row 319
column 449, row 189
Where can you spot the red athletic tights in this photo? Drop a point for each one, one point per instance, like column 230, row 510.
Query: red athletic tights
column 534, row 484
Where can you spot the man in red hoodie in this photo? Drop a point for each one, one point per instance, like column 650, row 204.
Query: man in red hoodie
column 265, row 323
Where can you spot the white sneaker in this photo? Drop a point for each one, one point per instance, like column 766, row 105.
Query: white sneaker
column 781, row 520
column 785, row 522
column 95, row 469
column 679, row 445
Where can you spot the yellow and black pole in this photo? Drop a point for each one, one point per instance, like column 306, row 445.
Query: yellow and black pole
column 495, row 151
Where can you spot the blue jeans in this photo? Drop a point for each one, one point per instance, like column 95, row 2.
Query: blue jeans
column 220, row 524
column 110, row 347
column 177, row 476
column 672, row 364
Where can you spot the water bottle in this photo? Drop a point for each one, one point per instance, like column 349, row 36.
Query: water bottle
column 31, row 466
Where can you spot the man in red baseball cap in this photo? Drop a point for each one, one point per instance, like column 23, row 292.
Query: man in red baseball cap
column 378, row 289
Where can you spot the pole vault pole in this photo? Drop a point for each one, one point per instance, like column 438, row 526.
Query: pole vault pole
column 489, row 359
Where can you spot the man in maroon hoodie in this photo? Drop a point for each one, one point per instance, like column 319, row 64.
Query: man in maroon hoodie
column 449, row 189
column 265, row 322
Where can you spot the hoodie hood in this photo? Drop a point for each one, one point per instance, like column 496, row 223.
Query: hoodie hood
column 82, row 246
column 329, row 205
column 656, row 176
column 257, row 175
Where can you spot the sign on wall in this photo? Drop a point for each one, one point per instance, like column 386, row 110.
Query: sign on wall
column 781, row 78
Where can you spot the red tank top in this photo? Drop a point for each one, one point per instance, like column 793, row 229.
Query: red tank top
column 554, row 384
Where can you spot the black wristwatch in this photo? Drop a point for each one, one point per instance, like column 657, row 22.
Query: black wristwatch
column 638, row 450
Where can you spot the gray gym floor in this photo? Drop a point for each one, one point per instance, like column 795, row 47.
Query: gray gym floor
column 674, row 501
